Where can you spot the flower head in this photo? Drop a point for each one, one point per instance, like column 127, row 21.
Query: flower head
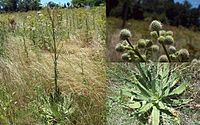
column 170, row 33
column 155, row 26
column 183, row 55
column 172, row 50
column 169, row 40
column 149, row 43
column 141, row 43
column 161, row 39
column 126, row 57
column 154, row 34
column 155, row 48
column 162, row 32
column 119, row 48
column 124, row 34
column 163, row 58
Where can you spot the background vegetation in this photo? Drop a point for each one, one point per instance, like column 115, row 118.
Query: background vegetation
column 167, row 11
column 26, row 5
column 27, row 67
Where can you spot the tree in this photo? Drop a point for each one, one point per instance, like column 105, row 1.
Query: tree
column 52, row 4
column 88, row 2
column 9, row 5
column 68, row 4
column 26, row 5
column 22, row 5
column 110, row 4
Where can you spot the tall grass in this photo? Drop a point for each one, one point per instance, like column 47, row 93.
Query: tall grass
column 27, row 75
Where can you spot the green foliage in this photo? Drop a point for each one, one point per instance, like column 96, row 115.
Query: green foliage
column 55, row 108
column 22, row 5
column 3, row 37
column 25, row 5
column 7, row 105
column 155, row 91
column 88, row 2
column 167, row 11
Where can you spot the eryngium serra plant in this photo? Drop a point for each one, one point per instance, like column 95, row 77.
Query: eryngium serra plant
column 154, row 93
column 160, row 46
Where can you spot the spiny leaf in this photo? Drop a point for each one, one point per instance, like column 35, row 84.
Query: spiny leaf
column 155, row 116
column 180, row 89
column 146, row 107
column 134, row 105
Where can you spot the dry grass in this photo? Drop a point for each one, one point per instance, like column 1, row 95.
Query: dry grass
column 81, row 69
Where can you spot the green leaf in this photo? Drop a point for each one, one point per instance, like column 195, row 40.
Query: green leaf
column 169, row 85
column 135, row 105
column 145, row 107
column 161, row 105
column 181, row 102
column 155, row 116
column 140, row 68
column 180, row 89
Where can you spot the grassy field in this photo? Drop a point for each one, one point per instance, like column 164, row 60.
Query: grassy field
column 184, row 38
column 27, row 66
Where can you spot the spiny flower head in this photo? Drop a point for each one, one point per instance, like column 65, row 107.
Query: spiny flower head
column 161, row 39
column 154, row 34
column 149, row 43
column 162, row 32
column 172, row 50
column 141, row 43
column 155, row 48
column 195, row 61
column 170, row 33
column 163, row 58
column 131, row 52
column 126, row 57
column 120, row 48
column 183, row 55
column 169, row 40
column 173, row 57
column 125, row 34
column 155, row 26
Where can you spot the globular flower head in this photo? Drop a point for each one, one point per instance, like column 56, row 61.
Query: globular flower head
column 131, row 53
column 162, row 33
column 172, row 50
column 161, row 39
column 183, row 55
column 154, row 34
column 125, row 34
column 195, row 61
column 169, row 40
column 173, row 57
column 119, row 47
column 128, row 47
column 163, row 58
column 141, row 43
column 155, row 26
column 155, row 48
column 149, row 43
column 170, row 33
column 124, row 43
column 135, row 58
column 126, row 57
